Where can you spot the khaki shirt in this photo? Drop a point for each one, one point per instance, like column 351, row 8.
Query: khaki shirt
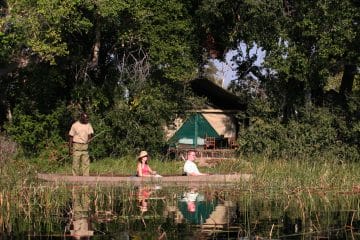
column 80, row 132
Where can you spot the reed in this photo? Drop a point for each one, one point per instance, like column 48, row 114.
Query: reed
column 281, row 174
column 273, row 175
column 118, row 206
column 123, row 166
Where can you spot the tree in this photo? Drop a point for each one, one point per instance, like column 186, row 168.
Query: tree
column 210, row 71
column 305, row 43
column 96, row 56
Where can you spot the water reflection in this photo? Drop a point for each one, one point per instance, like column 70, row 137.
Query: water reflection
column 80, row 227
column 211, row 213
column 143, row 196
column 291, row 226
column 154, row 212
column 194, row 208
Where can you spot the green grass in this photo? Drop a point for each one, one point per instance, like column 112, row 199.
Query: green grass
column 280, row 174
column 127, row 166
column 298, row 187
column 267, row 174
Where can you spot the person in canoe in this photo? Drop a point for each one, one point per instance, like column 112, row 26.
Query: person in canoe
column 143, row 168
column 190, row 168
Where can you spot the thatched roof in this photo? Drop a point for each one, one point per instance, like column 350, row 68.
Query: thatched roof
column 217, row 96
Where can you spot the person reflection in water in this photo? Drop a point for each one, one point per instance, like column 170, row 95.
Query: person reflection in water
column 194, row 207
column 143, row 196
column 191, row 198
column 80, row 223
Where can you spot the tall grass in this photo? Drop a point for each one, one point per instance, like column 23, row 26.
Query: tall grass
column 39, row 208
column 277, row 174
column 281, row 174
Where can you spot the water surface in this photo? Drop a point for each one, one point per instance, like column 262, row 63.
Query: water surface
column 187, row 212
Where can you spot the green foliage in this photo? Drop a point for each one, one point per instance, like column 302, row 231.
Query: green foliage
column 139, row 124
column 148, row 50
column 8, row 150
column 6, row 43
column 305, row 42
column 36, row 132
column 32, row 98
column 316, row 136
column 167, row 30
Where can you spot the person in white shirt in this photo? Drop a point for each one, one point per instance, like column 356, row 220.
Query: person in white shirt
column 190, row 167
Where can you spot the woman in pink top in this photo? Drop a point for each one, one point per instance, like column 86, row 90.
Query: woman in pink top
column 143, row 169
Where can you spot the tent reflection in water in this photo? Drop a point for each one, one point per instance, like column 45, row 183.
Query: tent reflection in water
column 80, row 223
column 194, row 207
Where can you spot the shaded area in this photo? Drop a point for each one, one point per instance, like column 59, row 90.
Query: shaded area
column 216, row 95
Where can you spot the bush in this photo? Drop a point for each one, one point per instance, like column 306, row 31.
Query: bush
column 8, row 150
column 125, row 128
column 37, row 132
column 318, row 135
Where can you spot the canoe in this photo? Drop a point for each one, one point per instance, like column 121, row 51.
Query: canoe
column 172, row 180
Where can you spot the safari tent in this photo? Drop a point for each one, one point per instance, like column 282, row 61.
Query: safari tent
column 194, row 131
column 216, row 121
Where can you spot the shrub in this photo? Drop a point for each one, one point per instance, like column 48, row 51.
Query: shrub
column 8, row 150
column 36, row 132
column 318, row 135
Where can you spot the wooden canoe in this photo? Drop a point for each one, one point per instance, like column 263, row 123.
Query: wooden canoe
column 172, row 180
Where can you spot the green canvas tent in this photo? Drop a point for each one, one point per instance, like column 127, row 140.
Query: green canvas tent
column 193, row 131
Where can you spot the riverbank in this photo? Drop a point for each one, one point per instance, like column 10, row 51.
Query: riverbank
column 270, row 174
column 308, row 192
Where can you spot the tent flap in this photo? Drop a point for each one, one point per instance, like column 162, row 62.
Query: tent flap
column 193, row 130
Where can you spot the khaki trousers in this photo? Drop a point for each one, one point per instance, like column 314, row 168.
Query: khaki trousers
column 81, row 159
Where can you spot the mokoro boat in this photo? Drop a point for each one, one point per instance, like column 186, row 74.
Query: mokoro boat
column 173, row 180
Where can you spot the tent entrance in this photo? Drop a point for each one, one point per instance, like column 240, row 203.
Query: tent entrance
column 193, row 131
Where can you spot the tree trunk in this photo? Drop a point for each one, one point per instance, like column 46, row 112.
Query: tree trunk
column 294, row 92
column 347, row 80
column 96, row 48
column 9, row 116
column 20, row 62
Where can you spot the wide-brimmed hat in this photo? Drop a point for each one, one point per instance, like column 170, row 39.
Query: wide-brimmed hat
column 142, row 154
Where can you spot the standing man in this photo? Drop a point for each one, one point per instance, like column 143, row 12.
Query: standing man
column 80, row 135
column 190, row 167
